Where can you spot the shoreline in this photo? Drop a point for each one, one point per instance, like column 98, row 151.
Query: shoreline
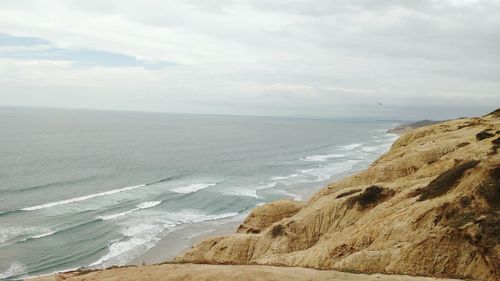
column 182, row 239
column 177, row 241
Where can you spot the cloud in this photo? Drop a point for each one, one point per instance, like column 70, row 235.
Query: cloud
column 32, row 48
column 330, row 58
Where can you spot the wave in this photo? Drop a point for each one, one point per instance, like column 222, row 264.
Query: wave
column 56, row 183
column 91, row 196
column 10, row 235
column 141, row 206
column 15, row 269
column 250, row 191
column 279, row 178
column 194, row 216
column 38, row 236
column 140, row 237
column 325, row 172
column 350, row 146
column 294, row 196
column 162, row 180
column 9, row 212
column 370, row 148
column 81, row 198
column 322, row 157
column 41, row 235
column 192, row 187
column 7, row 234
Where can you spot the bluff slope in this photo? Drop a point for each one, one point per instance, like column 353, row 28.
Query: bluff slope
column 430, row 207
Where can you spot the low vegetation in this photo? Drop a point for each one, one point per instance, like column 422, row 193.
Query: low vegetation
column 370, row 197
column 277, row 230
column 446, row 181
column 484, row 135
column 490, row 189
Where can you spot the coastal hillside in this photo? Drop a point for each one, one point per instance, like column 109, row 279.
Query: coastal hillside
column 428, row 207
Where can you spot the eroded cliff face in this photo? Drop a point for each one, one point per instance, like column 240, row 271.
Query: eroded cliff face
column 430, row 206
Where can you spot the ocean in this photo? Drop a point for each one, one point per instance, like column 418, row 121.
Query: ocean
column 96, row 188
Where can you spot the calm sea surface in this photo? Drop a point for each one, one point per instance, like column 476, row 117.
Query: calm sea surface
column 82, row 187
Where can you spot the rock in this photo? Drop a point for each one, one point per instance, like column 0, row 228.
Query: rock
column 267, row 214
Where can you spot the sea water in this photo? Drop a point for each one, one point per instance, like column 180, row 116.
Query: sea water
column 96, row 188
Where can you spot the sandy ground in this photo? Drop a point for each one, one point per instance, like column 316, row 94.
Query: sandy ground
column 201, row 272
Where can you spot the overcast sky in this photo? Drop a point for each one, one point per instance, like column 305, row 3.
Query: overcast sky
column 419, row 59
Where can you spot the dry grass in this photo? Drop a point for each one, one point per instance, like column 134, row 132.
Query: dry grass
column 347, row 193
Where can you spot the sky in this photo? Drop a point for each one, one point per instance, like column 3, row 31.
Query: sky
column 384, row 59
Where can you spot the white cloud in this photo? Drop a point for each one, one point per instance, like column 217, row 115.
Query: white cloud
column 295, row 57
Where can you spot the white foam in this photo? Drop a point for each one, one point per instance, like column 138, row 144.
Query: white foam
column 294, row 196
column 250, row 191
column 9, row 234
column 326, row 171
column 192, row 187
column 139, row 238
column 16, row 268
column 43, row 235
column 321, row 157
column 194, row 216
column 82, row 198
column 370, row 148
column 149, row 204
column 117, row 215
column 120, row 252
column 393, row 137
column 142, row 236
column 244, row 192
column 350, row 146
column 266, row 186
column 278, row 178
column 144, row 205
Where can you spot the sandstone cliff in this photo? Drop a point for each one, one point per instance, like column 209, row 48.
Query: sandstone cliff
column 430, row 206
